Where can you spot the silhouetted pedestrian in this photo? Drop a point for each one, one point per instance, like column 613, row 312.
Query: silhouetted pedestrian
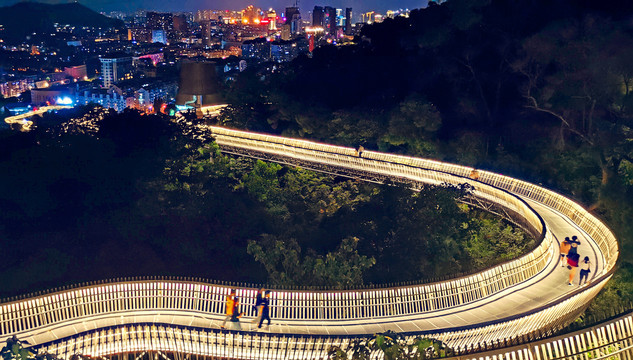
column 265, row 309
column 230, row 300
column 258, row 305
column 585, row 269
column 235, row 317
column 574, row 245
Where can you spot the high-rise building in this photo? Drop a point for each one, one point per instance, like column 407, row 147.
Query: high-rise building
column 180, row 24
column 258, row 48
column 285, row 32
column 115, row 67
column 329, row 20
column 272, row 20
column 284, row 51
column 340, row 18
column 160, row 21
column 293, row 18
column 206, row 32
column 139, row 34
column 348, row 21
column 318, row 16
column 159, row 36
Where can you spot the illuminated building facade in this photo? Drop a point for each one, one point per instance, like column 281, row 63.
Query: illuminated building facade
column 284, row 51
column 16, row 87
column 115, row 68
column 293, row 18
column 340, row 18
column 368, row 17
column 159, row 36
column 139, row 34
column 251, row 15
column 258, row 49
column 50, row 96
column 329, row 20
column 160, row 21
column 206, row 32
column 78, row 72
column 272, row 20
column 325, row 17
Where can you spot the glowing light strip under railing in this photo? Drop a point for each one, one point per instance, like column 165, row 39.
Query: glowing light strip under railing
column 249, row 345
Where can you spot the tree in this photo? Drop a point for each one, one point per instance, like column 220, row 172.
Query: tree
column 413, row 124
column 577, row 74
column 393, row 346
column 286, row 266
column 492, row 241
column 14, row 350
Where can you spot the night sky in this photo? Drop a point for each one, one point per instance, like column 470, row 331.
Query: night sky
column 191, row 5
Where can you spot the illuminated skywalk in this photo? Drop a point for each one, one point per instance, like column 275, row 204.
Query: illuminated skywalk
column 511, row 300
column 23, row 119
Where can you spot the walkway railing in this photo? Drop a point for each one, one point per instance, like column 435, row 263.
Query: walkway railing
column 410, row 167
column 299, row 305
column 609, row 340
column 352, row 306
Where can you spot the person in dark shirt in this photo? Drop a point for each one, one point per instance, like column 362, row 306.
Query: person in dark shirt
column 235, row 317
column 265, row 304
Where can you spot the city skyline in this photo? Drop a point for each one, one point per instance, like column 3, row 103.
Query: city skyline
column 193, row 5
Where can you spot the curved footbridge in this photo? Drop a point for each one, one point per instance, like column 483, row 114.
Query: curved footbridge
column 513, row 300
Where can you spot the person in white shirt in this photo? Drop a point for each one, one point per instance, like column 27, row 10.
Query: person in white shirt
column 584, row 270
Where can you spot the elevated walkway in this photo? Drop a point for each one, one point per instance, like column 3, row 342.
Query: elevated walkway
column 511, row 300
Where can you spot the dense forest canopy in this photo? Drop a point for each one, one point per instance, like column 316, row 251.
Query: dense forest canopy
column 539, row 90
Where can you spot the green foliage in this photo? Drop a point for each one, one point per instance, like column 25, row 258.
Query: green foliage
column 414, row 123
column 14, row 350
column 492, row 241
column 393, row 346
column 413, row 235
column 286, row 265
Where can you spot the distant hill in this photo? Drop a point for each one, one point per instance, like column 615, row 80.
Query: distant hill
column 25, row 18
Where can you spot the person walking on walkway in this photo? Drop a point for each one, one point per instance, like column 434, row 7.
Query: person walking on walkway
column 265, row 309
column 574, row 245
column 585, row 269
column 572, row 264
column 564, row 249
column 230, row 300
column 258, row 305
column 236, row 315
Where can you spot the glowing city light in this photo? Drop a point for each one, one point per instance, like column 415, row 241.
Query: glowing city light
column 64, row 101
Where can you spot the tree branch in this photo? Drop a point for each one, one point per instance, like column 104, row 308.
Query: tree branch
column 535, row 106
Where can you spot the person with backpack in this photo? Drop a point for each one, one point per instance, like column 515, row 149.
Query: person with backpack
column 564, row 249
